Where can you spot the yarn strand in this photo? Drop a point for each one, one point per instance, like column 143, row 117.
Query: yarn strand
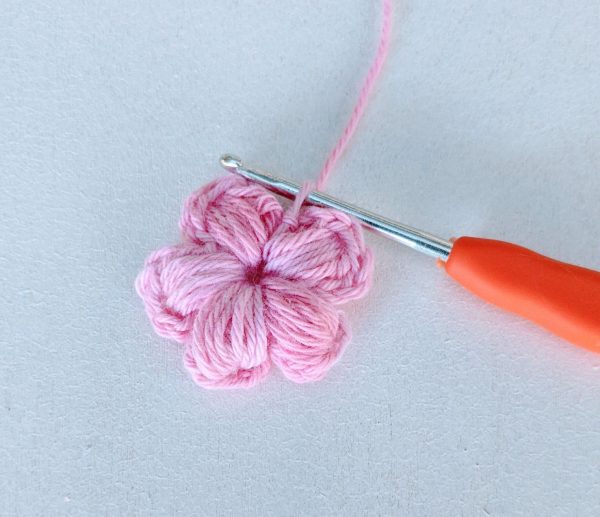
column 357, row 112
column 363, row 98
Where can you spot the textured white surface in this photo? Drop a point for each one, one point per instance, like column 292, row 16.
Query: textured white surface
column 486, row 122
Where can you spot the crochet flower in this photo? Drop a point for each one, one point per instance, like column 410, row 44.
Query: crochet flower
column 247, row 288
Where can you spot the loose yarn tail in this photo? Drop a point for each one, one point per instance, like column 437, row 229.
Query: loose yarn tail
column 357, row 113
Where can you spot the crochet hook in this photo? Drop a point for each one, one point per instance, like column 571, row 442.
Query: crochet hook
column 562, row 298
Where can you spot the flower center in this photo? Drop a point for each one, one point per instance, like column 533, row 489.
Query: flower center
column 254, row 274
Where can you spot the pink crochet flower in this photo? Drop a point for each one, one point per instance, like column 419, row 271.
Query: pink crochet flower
column 247, row 288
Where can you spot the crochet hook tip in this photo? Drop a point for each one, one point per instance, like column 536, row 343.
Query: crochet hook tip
column 235, row 165
column 230, row 162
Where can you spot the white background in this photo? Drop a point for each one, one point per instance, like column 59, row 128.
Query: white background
column 486, row 122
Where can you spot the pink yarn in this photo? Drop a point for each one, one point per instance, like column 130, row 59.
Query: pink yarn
column 246, row 290
column 251, row 286
column 358, row 111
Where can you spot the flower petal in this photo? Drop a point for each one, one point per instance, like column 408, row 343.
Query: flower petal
column 177, row 280
column 325, row 251
column 239, row 215
column 307, row 333
column 228, row 348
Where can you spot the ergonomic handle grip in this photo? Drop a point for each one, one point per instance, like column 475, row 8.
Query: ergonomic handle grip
column 563, row 298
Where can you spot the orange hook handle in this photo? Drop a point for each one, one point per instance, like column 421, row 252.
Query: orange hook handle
column 562, row 298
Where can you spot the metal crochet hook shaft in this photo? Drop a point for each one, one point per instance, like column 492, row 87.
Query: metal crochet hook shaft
column 563, row 298
column 415, row 239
